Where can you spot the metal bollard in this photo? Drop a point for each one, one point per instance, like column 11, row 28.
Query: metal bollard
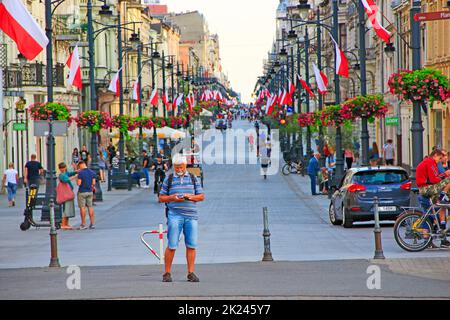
column 377, row 232
column 54, row 261
column 266, row 234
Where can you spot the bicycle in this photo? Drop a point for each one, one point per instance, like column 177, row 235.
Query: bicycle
column 415, row 230
column 293, row 167
column 159, row 178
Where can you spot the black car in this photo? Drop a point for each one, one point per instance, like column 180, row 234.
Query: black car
column 353, row 199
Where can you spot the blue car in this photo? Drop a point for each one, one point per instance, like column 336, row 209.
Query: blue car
column 353, row 199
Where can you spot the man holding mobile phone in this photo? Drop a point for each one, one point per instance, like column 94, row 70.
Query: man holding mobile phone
column 181, row 191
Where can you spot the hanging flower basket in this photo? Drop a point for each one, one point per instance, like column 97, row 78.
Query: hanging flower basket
column 159, row 122
column 331, row 116
column 144, row 122
column 177, row 122
column 370, row 106
column 124, row 124
column 306, row 119
column 43, row 111
column 94, row 120
column 426, row 84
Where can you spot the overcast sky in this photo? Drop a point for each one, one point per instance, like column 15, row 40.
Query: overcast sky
column 246, row 29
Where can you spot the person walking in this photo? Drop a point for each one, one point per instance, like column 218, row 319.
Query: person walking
column 145, row 168
column 374, row 154
column 75, row 159
column 313, row 170
column 11, row 180
column 348, row 155
column 69, row 205
column 251, row 141
column 268, row 147
column 389, row 152
column 265, row 161
column 102, row 158
column 86, row 183
column 160, row 168
column 33, row 171
column 85, row 155
column 115, row 163
column 181, row 191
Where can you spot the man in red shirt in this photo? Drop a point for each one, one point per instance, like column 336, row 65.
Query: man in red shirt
column 434, row 185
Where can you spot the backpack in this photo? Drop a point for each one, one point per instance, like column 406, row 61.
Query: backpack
column 169, row 185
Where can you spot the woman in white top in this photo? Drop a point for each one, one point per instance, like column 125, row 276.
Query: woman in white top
column 11, row 179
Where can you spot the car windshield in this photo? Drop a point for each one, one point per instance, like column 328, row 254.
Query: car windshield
column 380, row 177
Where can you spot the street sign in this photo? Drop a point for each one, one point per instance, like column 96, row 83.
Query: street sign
column 19, row 126
column 392, row 121
column 429, row 16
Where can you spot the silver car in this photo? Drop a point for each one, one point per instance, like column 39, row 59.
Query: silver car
column 353, row 199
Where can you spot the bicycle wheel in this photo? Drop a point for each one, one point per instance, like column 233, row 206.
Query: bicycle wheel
column 293, row 168
column 410, row 237
column 286, row 170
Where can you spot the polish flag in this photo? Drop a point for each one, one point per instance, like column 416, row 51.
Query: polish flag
column 179, row 100
column 20, row 26
column 270, row 104
column 136, row 91
column 154, row 97
column 372, row 11
column 190, row 101
column 203, row 96
column 321, row 79
column 114, row 85
column 283, row 99
column 341, row 60
column 74, row 64
column 291, row 88
column 307, row 88
column 165, row 100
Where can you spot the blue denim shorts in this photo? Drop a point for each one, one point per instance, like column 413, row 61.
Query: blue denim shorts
column 177, row 223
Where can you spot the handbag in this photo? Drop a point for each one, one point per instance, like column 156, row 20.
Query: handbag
column 64, row 193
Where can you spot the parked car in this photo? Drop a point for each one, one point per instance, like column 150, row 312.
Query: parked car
column 353, row 199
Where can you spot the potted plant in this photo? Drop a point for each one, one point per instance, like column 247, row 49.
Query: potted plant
column 93, row 120
column 334, row 116
column 144, row 122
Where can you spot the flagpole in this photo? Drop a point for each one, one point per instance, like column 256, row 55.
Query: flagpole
column 319, row 64
column 155, row 138
column 163, row 63
column 308, row 129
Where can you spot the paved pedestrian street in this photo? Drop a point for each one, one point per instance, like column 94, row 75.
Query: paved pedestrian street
column 303, row 242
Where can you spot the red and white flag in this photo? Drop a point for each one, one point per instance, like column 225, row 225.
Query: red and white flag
column 74, row 64
column 306, row 87
column 321, row 80
column 114, row 85
column 270, row 104
column 136, row 91
column 165, row 100
column 190, row 99
column 291, row 88
column 372, row 11
column 22, row 28
column 154, row 97
column 178, row 101
column 341, row 60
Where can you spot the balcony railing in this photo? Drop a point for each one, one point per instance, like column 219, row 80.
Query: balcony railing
column 32, row 75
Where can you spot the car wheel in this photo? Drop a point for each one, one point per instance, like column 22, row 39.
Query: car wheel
column 332, row 214
column 347, row 220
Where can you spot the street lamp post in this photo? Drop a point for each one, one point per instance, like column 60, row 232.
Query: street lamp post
column 299, row 101
column 339, row 171
column 50, row 175
column 152, row 64
column 319, row 65
column 93, row 102
column 362, row 62
column 163, row 63
column 139, row 62
column 416, row 125
column 308, row 130
column 121, row 137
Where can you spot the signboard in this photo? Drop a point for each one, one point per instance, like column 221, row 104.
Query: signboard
column 429, row 16
column 41, row 128
column 19, row 126
column 392, row 121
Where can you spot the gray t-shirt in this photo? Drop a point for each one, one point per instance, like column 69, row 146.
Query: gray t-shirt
column 389, row 150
